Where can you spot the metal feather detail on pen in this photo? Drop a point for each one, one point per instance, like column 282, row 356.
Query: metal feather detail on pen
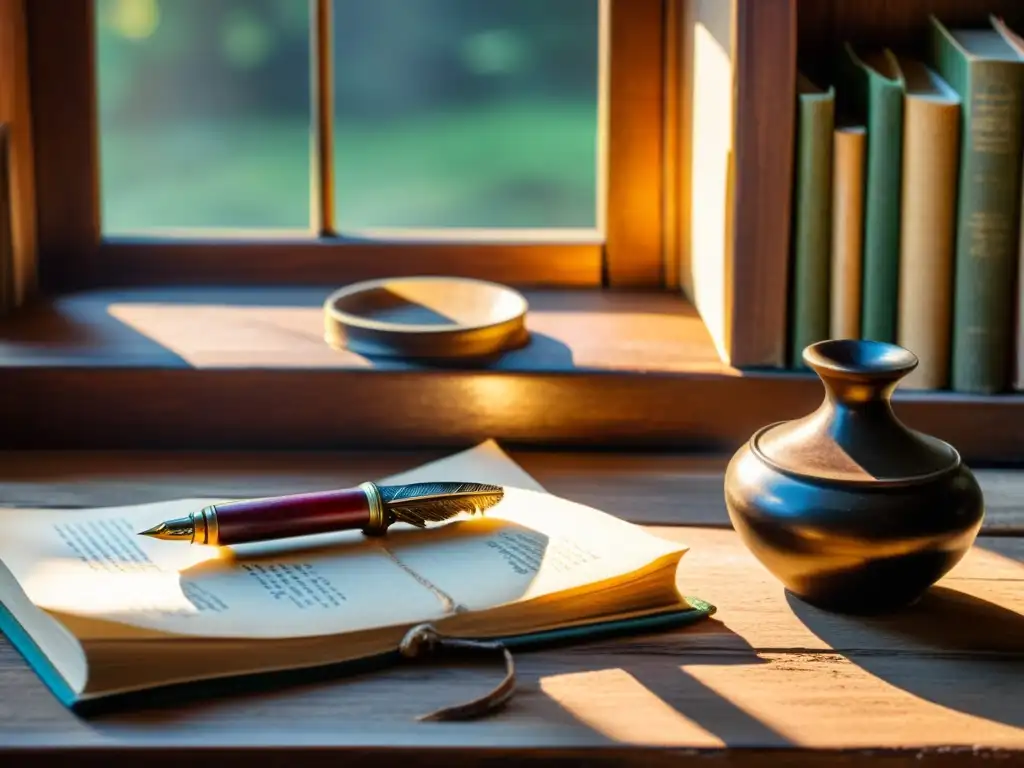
column 369, row 507
column 422, row 503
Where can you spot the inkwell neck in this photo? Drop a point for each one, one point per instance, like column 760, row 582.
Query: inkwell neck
column 855, row 436
column 859, row 375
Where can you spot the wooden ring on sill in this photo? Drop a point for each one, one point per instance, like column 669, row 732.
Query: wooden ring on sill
column 437, row 318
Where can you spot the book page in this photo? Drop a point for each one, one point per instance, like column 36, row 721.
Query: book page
column 527, row 546
column 92, row 564
column 484, row 463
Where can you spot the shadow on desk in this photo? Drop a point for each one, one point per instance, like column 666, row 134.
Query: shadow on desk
column 641, row 692
column 627, row 690
column 966, row 635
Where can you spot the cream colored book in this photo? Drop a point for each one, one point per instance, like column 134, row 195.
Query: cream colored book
column 848, row 158
column 99, row 610
column 931, row 160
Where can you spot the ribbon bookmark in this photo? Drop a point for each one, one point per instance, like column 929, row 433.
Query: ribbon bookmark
column 423, row 640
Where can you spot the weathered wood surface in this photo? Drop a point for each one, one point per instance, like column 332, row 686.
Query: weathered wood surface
column 653, row 489
column 767, row 671
column 247, row 369
column 767, row 677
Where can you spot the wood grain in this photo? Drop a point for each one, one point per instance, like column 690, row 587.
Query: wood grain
column 767, row 673
column 260, row 407
column 284, row 328
column 767, row 679
column 304, row 261
column 61, row 68
column 675, row 143
column 217, row 368
column 8, row 297
column 632, row 195
column 322, row 74
column 651, row 489
column 758, row 278
column 16, row 112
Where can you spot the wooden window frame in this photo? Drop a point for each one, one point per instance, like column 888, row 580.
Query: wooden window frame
column 624, row 250
column 126, row 398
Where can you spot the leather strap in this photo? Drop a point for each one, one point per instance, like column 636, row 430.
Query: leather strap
column 424, row 640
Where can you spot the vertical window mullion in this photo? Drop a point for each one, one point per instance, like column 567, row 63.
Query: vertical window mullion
column 633, row 166
column 323, row 91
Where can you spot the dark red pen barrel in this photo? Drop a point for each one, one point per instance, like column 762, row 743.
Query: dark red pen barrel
column 301, row 514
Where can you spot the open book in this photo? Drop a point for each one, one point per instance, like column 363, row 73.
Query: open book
column 106, row 611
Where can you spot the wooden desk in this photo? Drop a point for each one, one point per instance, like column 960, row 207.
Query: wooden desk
column 767, row 678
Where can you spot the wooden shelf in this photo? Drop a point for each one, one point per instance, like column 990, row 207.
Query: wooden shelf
column 247, row 369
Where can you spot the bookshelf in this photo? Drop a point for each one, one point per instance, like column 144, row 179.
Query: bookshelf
column 771, row 41
column 823, row 25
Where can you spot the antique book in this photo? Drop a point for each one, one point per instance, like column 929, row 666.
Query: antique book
column 848, row 158
column 812, row 216
column 931, row 161
column 988, row 74
column 1017, row 42
column 717, row 87
column 871, row 91
column 100, row 611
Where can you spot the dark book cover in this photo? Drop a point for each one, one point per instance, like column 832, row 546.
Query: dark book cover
column 988, row 75
column 812, row 217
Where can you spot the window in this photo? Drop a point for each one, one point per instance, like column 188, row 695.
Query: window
column 274, row 141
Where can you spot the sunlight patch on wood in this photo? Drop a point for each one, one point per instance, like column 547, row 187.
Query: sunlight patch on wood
column 893, row 702
column 617, row 705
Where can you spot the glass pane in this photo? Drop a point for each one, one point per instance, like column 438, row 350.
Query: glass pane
column 204, row 110
column 465, row 113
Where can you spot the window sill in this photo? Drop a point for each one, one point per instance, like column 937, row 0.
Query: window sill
column 248, row 368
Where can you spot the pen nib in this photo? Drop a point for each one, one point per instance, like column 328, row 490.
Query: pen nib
column 171, row 530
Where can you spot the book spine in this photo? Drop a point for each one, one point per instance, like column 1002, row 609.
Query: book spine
column 847, row 232
column 812, row 223
column 987, row 219
column 1017, row 43
column 882, row 209
column 1018, row 378
column 927, row 238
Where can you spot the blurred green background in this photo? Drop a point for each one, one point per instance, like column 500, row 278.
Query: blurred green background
column 449, row 113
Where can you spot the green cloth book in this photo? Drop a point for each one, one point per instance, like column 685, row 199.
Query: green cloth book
column 105, row 615
column 988, row 74
column 871, row 92
column 812, row 217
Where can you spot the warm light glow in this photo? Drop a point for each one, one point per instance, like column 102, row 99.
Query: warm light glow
column 71, row 586
column 135, row 19
column 221, row 336
column 617, row 705
column 783, row 693
column 711, row 190
column 474, row 235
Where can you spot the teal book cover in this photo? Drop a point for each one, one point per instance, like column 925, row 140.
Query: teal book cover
column 180, row 693
column 105, row 615
column 871, row 90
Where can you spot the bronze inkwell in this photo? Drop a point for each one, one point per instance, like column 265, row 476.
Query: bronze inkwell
column 850, row 509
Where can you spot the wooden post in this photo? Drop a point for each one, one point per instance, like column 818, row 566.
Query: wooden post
column 18, row 247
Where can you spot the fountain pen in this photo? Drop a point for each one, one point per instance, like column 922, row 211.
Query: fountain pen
column 368, row 507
